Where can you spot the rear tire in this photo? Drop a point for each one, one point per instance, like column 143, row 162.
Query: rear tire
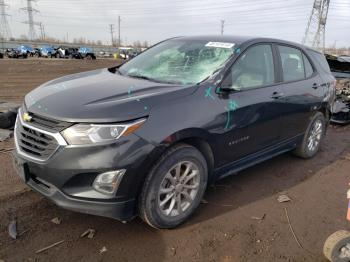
column 312, row 138
column 174, row 187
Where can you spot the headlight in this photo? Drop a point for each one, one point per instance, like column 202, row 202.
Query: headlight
column 82, row 134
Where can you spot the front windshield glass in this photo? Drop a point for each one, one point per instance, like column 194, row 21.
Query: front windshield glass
column 179, row 61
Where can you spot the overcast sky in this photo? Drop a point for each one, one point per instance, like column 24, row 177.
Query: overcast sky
column 155, row 20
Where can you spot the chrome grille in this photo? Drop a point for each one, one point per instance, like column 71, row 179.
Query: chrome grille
column 35, row 143
column 48, row 124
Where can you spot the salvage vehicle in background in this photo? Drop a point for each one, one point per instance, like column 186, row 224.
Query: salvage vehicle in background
column 340, row 68
column 22, row 51
column 67, row 52
column 146, row 138
column 105, row 54
column 86, row 53
column 46, row 51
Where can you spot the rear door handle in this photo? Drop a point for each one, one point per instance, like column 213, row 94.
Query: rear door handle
column 277, row 95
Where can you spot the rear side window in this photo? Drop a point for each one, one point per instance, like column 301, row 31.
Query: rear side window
column 308, row 67
column 292, row 63
column 254, row 68
column 321, row 60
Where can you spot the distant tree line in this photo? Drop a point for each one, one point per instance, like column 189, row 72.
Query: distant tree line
column 80, row 40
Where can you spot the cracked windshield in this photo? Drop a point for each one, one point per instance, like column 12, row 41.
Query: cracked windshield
column 179, row 62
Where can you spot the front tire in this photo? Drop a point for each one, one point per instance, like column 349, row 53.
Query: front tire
column 174, row 187
column 312, row 138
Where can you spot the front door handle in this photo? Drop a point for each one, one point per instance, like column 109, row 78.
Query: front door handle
column 315, row 86
column 277, row 95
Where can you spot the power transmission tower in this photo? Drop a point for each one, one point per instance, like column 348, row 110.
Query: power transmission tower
column 5, row 32
column 119, row 20
column 111, row 28
column 316, row 26
column 30, row 11
column 222, row 26
column 42, row 31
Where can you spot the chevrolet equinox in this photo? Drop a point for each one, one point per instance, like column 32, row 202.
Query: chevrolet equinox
column 147, row 137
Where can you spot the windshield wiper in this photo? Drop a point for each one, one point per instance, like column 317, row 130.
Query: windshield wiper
column 141, row 77
column 151, row 79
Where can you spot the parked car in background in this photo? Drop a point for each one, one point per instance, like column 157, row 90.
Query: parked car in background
column 47, row 51
column 67, row 52
column 26, row 49
column 22, row 51
column 147, row 138
column 133, row 53
column 105, row 54
column 1, row 55
column 86, row 53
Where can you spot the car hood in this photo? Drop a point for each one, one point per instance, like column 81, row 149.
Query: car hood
column 100, row 96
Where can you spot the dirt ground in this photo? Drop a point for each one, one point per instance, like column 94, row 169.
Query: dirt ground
column 224, row 227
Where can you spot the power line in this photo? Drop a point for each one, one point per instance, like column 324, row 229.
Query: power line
column 111, row 30
column 5, row 31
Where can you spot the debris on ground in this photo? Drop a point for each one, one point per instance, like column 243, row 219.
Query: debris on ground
column 291, row 228
column 347, row 157
column 23, row 232
column 48, row 247
column 12, row 228
column 56, row 221
column 5, row 134
column 203, row 201
column 259, row 218
column 102, row 250
column 90, row 233
column 283, row 198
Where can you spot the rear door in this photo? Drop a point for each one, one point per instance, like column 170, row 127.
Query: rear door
column 302, row 90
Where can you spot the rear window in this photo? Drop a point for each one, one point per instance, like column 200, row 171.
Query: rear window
column 292, row 63
column 321, row 60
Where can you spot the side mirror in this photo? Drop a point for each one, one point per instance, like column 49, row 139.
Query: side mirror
column 226, row 84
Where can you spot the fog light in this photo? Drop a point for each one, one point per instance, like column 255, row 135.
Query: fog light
column 107, row 183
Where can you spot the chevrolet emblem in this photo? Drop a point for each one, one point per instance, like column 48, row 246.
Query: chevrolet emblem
column 26, row 117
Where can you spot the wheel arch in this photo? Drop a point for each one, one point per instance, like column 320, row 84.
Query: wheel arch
column 194, row 137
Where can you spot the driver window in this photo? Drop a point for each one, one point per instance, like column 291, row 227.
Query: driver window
column 254, row 68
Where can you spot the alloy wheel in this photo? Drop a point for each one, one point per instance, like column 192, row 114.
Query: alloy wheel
column 179, row 188
column 315, row 136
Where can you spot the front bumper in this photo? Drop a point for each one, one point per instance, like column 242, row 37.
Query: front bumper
column 66, row 178
column 120, row 210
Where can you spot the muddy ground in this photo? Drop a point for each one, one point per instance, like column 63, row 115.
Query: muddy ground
column 224, row 227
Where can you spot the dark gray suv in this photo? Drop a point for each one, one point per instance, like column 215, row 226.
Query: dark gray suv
column 147, row 137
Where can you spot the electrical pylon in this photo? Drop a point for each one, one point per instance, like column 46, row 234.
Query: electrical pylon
column 5, row 31
column 316, row 27
column 30, row 11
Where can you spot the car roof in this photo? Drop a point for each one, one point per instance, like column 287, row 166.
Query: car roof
column 238, row 40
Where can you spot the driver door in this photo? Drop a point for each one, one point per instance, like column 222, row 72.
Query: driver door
column 254, row 120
